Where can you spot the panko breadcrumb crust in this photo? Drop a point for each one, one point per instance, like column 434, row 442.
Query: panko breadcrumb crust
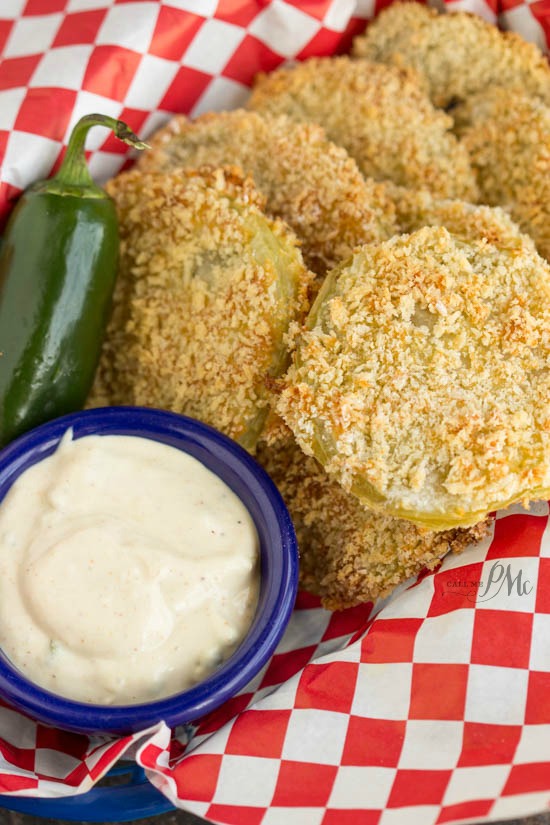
column 380, row 114
column 458, row 54
column 421, row 382
column 307, row 181
column 349, row 554
column 207, row 287
column 507, row 135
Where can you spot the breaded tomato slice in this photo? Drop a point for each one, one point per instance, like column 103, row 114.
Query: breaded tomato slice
column 348, row 553
column 207, row 288
column 507, row 135
column 421, row 381
column 380, row 114
column 459, row 54
column 307, row 181
column 468, row 221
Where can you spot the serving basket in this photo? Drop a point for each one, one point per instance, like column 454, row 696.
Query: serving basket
column 124, row 795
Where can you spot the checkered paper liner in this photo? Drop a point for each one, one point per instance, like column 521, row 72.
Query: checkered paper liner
column 433, row 708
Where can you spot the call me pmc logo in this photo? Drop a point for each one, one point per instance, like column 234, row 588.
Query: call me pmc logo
column 500, row 578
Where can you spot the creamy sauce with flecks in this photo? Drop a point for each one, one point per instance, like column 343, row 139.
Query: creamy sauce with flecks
column 128, row 571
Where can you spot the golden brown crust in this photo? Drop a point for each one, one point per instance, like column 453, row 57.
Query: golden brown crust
column 379, row 114
column 307, row 181
column 421, row 381
column 458, row 54
column 507, row 135
column 206, row 290
column 348, row 554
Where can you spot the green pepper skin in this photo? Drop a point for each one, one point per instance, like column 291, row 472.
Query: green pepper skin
column 57, row 272
column 58, row 266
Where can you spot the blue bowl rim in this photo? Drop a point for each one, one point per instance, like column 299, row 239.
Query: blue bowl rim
column 248, row 659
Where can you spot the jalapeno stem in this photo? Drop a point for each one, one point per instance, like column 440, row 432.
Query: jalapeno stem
column 74, row 171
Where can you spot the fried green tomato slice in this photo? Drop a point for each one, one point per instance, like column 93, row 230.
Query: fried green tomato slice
column 459, row 54
column 507, row 135
column 421, row 382
column 206, row 290
column 466, row 221
column 379, row 114
column 307, row 181
column 348, row 553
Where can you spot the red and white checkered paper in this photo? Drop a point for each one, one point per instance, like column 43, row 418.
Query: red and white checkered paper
column 434, row 708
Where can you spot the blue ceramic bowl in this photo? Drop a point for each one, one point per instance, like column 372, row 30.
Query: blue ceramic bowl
column 278, row 554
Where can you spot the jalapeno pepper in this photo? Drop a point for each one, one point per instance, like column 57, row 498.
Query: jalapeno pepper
column 58, row 266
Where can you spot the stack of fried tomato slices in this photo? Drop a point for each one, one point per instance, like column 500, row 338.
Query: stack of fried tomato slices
column 349, row 277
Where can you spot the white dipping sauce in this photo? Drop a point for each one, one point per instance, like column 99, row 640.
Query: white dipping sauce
column 128, row 571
